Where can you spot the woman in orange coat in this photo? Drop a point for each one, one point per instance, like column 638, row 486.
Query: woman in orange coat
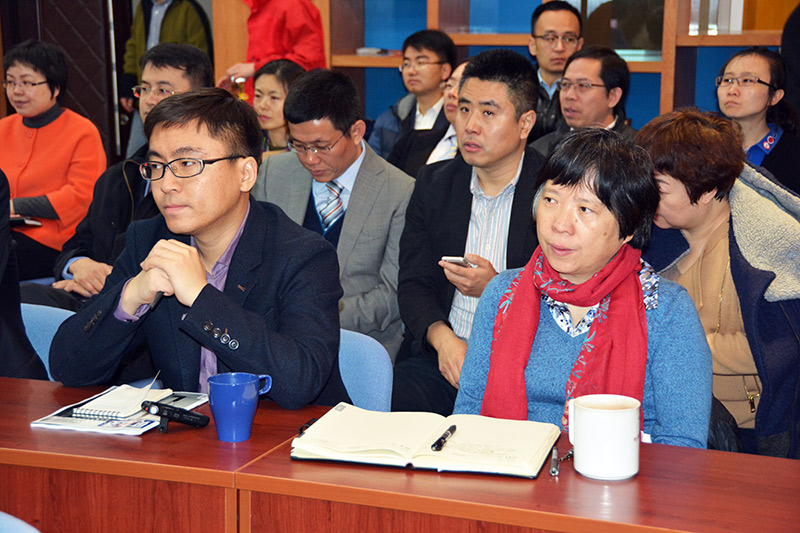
column 51, row 155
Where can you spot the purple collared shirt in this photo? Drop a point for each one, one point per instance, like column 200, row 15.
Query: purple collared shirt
column 216, row 278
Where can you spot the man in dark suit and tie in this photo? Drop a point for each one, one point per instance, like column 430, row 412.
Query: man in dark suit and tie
column 245, row 288
column 478, row 206
column 337, row 186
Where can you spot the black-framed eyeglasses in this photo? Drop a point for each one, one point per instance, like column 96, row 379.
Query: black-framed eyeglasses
column 26, row 85
column 741, row 81
column 301, row 148
column 418, row 65
column 140, row 91
column 580, row 86
column 184, row 167
column 569, row 39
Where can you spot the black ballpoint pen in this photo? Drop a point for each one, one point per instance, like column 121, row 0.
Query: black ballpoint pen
column 440, row 442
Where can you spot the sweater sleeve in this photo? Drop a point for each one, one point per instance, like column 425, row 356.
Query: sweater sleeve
column 677, row 406
column 475, row 370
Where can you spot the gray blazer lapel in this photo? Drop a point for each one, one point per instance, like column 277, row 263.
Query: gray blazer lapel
column 367, row 187
column 288, row 185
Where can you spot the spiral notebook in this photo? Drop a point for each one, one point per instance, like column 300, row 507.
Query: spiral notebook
column 119, row 403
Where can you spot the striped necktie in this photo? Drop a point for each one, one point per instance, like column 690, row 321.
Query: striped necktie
column 333, row 208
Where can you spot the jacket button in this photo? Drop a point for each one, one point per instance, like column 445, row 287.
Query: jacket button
column 216, row 333
column 225, row 338
column 208, row 326
column 233, row 344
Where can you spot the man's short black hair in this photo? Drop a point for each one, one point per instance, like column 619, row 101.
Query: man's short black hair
column 512, row 70
column 436, row 41
column 320, row 94
column 284, row 70
column 45, row 58
column 190, row 59
column 617, row 171
column 226, row 118
column 555, row 5
column 613, row 71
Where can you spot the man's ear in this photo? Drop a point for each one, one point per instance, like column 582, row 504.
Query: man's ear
column 357, row 131
column 614, row 96
column 532, row 46
column 526, row 122
column 707, row 197
column 248, row 169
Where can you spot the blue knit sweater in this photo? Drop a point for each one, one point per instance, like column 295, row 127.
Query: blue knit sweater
column 677, row 387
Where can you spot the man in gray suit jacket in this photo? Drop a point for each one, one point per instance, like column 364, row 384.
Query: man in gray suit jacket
column 336, row 185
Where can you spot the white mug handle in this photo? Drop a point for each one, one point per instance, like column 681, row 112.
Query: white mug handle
column 571, row 415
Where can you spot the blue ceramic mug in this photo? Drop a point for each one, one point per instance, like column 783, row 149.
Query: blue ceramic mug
column 233, row 397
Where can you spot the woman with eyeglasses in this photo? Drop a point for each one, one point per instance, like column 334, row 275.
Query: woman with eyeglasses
column 51, row 155
column 750, row 90
column 272, row 82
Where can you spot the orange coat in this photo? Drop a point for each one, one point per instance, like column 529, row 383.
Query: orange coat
column 61, row 160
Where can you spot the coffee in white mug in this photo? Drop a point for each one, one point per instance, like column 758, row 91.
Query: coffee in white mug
column 604, row 430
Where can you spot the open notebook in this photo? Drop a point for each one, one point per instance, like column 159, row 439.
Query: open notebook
column 479, row 443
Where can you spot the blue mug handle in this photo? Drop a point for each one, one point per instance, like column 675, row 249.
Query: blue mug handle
column 267, row 383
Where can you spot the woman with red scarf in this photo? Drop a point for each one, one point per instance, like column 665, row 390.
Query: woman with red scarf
column 586, row 315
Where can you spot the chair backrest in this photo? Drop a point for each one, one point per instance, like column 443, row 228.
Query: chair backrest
column 366, row 371
column 41, row 323
column 12, row 524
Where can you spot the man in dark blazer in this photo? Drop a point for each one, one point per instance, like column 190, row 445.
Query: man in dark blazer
column 323, row 110
column 244, row 288
column 592, row 95
column 17, row 357
column 478, row 206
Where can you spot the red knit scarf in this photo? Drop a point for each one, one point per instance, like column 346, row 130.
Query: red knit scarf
column 613, row 357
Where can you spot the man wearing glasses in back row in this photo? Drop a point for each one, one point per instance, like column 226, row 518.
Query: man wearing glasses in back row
column 592, row 95
column 556, row 30
column 244, row 288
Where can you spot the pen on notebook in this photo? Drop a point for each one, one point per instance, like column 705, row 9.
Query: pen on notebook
column 441, row 441
column 554, row 468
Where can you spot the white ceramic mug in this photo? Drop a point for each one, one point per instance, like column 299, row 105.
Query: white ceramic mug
column 604, row 431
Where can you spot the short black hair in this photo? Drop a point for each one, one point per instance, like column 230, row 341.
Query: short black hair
column 782, row 113
column 436, row 41
column 319, row 94
column 225, row 116
column 555, row 5
column 512, row 70
column 619, row 172
column 45, row 58
column 613, row 71
column 191, row 60
column 284, row 70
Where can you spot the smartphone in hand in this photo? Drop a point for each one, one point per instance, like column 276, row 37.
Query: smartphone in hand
column 457, row 260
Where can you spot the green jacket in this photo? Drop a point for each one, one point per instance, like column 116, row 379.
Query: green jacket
column 185, row 22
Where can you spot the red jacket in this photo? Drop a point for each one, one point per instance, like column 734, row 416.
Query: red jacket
column 61, row 160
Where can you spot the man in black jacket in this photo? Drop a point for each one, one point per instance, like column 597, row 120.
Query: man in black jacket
column 477, row 206
column 120, row 194
column 556, row 29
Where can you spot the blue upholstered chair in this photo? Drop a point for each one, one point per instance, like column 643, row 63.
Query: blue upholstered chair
column 41, row 323
column 366, row 371
column 12, row 524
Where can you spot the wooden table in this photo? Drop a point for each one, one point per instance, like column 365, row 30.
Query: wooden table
column 183, row 480
column 676, row 489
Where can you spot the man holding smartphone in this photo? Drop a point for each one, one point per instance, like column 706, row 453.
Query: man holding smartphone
column 477, row 206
